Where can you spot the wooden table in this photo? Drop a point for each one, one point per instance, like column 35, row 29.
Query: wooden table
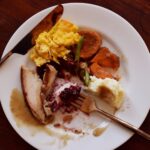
column 14, row 12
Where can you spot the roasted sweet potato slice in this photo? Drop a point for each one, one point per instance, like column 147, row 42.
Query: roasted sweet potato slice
column 91, row 44
column 101, row 72
column 105, row 58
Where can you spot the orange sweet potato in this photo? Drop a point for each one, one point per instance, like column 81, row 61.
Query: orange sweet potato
column 105, row 58
column 91, row 44
column 101, row 72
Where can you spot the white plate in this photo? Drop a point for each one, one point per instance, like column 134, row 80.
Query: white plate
column 119, row 36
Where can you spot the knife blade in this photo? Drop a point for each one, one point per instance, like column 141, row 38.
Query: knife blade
column 28, row 40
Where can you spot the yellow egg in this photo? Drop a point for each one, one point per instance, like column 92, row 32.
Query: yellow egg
column 53, row 44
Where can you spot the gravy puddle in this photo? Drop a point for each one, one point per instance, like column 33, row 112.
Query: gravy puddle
column 62, row 136
column 23, row 117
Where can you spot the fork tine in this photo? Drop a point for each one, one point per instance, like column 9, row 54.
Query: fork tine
column 79, row 101
column 82, row 96
column 76, row 105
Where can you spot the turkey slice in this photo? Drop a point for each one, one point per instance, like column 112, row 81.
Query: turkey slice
column 31, row 86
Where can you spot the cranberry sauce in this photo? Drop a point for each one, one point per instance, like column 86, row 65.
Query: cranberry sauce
column 70, row 94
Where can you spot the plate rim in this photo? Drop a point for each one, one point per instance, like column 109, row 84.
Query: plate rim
column 67, row 4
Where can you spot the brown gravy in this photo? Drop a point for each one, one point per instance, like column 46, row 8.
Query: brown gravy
column 98, row 131
column 23, row 117
column 20, row 110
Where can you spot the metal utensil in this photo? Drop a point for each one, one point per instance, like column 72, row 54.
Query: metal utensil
column 87, row 105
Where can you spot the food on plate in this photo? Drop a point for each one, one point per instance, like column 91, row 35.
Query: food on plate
column 98, row 131
column 101, row 72
column 48, row 23
column 54, row 44
column 31, row 85
column 91, row 44
column 63, row 92
column 45, row 96
column 67, row 118
column 106, row 58
column 69, row 60
column 108, row 89
column 47, row 87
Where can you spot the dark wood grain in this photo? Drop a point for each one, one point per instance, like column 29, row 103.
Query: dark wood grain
column 14, row 12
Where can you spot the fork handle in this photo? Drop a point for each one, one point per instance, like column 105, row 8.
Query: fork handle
column 125, row 124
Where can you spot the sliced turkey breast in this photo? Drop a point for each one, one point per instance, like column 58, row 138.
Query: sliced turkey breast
column 31, row 86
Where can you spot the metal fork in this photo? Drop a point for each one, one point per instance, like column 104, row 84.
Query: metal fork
column 87, row 105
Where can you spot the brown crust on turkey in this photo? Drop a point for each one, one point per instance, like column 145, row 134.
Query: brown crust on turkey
column 48, row 81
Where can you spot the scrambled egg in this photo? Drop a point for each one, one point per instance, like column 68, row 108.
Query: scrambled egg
column 54, row 44
column 108, row 89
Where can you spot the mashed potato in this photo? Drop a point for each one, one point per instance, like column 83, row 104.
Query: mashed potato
column 54, row 44
column 108, row 89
